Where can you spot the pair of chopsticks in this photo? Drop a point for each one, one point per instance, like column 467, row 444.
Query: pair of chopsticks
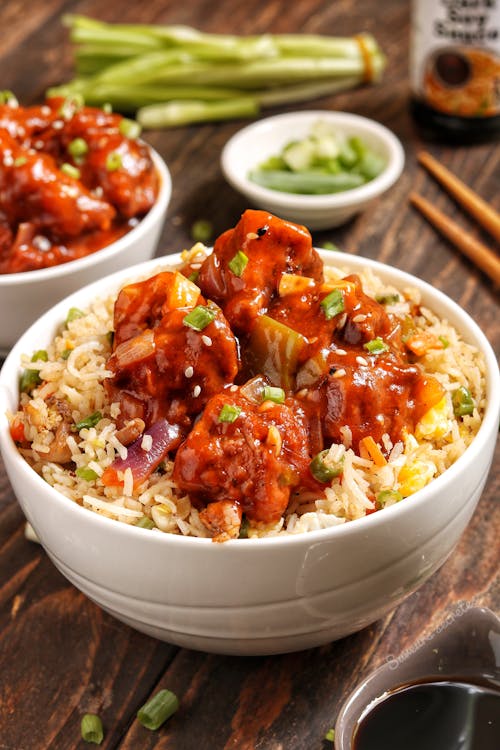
column 483, row 257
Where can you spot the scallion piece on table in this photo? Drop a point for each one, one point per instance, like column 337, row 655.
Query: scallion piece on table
column 157, row 710
column 462, row 401
column 113, row 161
column 238, row 263
column 88, row 422
column 330, row 735
column 376, row 346
column 323, row 470
column 92, row 730
column 78, row 147
column 202, row 230
column 70, row 171
column 273, row 393
column 7, row 97
column 199, row 318
column 332, row 304
column 229, row 413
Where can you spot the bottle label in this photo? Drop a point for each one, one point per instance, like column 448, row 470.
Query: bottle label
column 455, row 56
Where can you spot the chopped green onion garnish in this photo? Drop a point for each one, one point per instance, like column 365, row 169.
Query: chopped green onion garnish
column 444, row 341
column 65, row 353
column 325, row 471
column 194, row 276
column 389, row 496
column 244, row 528
column 78, row 147
column 332, row 304
column 70, row 171
column 130, row 129
column 7, row 97
column 111, row 337
column 387, row 299
column 199, row 318
column 376, row 346
column 40, row 355
column 462, row 401
column 92, row 730
column 29, row 380
column 85, row 473
column 202, row 230
column 89, row 421
column 107, row 108
column 330, row 735
column 238, row 263
column 20, row 161
column 229, row 413
column 329, row 246
column 145, row 523
column 73, row 314
column 272, row 393
column 157, row 710
column 113, row 161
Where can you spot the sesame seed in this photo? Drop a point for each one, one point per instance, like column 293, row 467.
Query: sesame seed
column 42, row 243
column 339, row 373
column 342, row 352
column 341, row 321
column 45, row 110
column 38, row 144
column 196, row 391
column 8, row 161
column 252, row 236
column 98, row 191
column 359, row 318
column 361, row 361
column 58, row 124
column 206, row 340
column 233, row 388
column 189, row 372
column 176, row 221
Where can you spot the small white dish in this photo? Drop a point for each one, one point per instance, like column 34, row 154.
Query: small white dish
column 25, row 296
column 254, row 144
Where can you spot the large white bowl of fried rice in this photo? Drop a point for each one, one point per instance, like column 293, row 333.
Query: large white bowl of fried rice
column 326, row 570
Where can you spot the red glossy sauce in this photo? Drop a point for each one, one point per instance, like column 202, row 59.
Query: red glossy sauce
column 50, row 214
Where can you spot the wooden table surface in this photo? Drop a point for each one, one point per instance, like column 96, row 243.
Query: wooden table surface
column 60, row 655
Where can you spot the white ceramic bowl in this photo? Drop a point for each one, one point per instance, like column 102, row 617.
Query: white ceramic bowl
column 25, row 296
column 264, row 138
column 254, row 596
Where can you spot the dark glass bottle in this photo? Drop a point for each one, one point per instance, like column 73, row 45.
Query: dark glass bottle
column 455, row 69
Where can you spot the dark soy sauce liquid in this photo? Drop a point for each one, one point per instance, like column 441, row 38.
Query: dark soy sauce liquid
column 448, row 715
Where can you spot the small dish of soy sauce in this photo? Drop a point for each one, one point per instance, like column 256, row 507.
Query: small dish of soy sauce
column 442, row 694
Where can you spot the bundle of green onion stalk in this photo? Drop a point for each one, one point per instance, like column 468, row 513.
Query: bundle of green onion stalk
column 173, row 75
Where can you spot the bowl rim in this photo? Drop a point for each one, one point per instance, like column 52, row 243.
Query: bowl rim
column 105, row 253
column 306, row 202
column 467, row 327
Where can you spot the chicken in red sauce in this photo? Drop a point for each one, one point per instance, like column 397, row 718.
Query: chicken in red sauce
column 261, row 385
column 71, row 183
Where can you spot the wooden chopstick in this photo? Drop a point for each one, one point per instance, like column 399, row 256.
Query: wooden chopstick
column 484, row 214
column 482, row 256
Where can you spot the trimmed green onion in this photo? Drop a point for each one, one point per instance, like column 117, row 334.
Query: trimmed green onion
column 73, row 314
column 91, row 727
column 65, row 354
column 70, row 171
column 202, row 230
column 332, row 304
column 7, row 97
column 130, row 129
column 199, row 318
column 70, row 105
column 113, row 161
column 387, row 299
column 462, row 401
column 78, row 147
column 330, row 735
column 20, row 161
column 376, row 346
column 324, row 471
column 272, row 393
column 244, row 528
column 444, row 341
column 389, row 496
column 145, row 523
column 157, row 710
column 238, row 263
column 229, row 413
column 85, row 473
column 89, row 421
column 330, row 246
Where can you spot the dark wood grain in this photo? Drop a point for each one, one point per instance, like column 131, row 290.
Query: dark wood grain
column 60, row 655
